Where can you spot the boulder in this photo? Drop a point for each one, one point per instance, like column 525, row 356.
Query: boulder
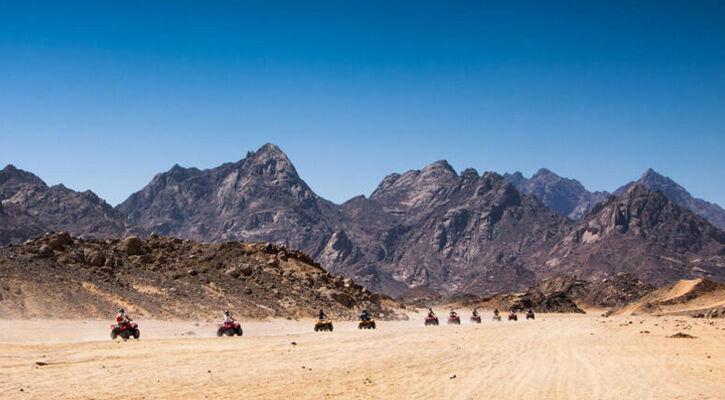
column 131, row 245
column 58, row 241
column 45, row 251
column 94, row 258
column 233, row 272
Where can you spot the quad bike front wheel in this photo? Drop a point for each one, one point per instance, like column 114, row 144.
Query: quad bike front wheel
column 114, row 335
column 136, row 333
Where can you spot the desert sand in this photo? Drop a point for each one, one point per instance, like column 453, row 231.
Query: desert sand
column 553, row 357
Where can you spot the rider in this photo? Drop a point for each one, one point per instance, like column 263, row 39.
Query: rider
column 122, row 318
column 453, row 313
column 530, row 311
column 475, row 312
column 322, row 316
column 495, row 311
column 431, row 314
column 228, row 317
column 364, row 316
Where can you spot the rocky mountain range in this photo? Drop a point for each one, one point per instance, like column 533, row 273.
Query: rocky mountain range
column 29, row 207
column 567, row 197
column 642, row 232
column 453, row 233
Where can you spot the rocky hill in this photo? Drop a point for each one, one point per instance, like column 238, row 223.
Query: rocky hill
column 673, row 191
column 29, row 207
column 567, row 197
column 58, row 276
column 640, row 232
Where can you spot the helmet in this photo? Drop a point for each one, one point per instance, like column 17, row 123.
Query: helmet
column 121, row 311
column 365, row 311
column 226, row 312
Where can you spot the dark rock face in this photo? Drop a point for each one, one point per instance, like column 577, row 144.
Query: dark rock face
column 658, row 183
column 31, row 208
column 641, row 232
column 567, row 197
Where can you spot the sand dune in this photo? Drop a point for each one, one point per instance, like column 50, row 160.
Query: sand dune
column 554, row 357
column 683, row 296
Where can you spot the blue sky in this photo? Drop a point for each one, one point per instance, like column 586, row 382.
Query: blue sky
column 103, row 95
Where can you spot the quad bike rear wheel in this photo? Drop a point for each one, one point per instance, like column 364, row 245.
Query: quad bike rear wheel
column 114, row 334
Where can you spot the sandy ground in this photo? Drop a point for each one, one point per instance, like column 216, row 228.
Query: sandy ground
column 554, row 357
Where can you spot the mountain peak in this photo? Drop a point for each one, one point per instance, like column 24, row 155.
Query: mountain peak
column 440, row 167
column 678, row 194
column 543, row 172
column 653, row 176
column 17, row 175
column 271, row 150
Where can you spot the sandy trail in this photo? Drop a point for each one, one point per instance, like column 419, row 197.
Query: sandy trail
column 554, row 357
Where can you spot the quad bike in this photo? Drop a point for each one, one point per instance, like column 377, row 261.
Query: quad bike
column 454, row 319
column 125, row 331
column 324, row 325
column 476, row 319
column 367, row 324
column 496, row 317
column 431, row 320
column 230, row 328
column 530, row 315
column 513, row 317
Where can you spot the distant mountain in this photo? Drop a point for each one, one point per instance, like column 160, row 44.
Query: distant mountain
column 567, row 197
column 28, row 208
column 641, row 232
column 454, row 233
column 654, row 181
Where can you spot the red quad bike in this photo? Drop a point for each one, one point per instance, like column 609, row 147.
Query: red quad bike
column 454, row 319
column 126, row 330
column 476, row 319
column 513, row 317
column 431, row 320
column 229, row 329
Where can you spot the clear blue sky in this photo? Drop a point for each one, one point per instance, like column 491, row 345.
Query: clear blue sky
column 102, row 95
